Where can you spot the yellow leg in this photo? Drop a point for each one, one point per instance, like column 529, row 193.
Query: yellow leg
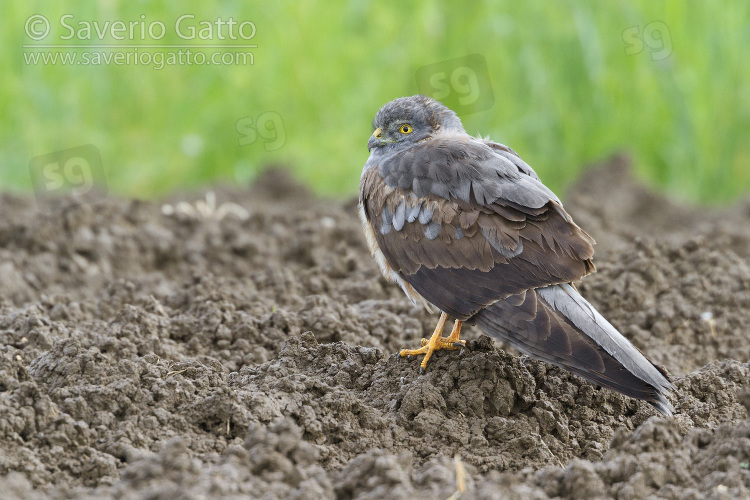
column 453, row 339
column 437, row 342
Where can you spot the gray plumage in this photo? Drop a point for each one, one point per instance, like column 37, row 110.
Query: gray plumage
column 566, row 300
column 425, row 215
column 464, row 225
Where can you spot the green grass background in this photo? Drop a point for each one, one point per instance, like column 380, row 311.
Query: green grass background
column 566, row 92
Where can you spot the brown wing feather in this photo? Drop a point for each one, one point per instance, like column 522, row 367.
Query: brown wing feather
column 462, row 256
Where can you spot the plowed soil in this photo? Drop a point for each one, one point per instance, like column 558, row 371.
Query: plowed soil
column 149, row 353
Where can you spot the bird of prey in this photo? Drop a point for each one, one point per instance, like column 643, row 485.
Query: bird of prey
column 465, row 227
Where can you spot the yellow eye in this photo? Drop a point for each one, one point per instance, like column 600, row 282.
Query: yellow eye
column 406, row 129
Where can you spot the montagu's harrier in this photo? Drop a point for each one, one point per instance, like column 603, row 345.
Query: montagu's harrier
column 466, row 227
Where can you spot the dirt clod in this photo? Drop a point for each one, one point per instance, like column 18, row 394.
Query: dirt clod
column 149, row 354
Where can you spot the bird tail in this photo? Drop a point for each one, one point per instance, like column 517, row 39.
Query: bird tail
column 557, row 325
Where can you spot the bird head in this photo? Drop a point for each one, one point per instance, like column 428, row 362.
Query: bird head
column 408, row 120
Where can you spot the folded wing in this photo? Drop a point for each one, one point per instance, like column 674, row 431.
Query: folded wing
column 466, row 226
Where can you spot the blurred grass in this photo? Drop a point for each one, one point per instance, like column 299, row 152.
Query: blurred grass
column 566, row 92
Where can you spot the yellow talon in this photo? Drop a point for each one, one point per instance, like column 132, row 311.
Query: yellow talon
column 437, row 342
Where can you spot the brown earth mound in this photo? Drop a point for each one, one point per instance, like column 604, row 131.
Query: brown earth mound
column 156, row 353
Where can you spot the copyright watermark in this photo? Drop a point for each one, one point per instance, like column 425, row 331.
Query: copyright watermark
column 37, row 27
column 267, row 126
column 185, row 27
column 156, row 59
column 77, row 172
column 68, row 41
column 462, row 84
column 654, row 37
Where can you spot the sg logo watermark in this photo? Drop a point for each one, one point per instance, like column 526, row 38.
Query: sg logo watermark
column 462, row 84
column 654, row 36
column 267, row 126
column 77, row 172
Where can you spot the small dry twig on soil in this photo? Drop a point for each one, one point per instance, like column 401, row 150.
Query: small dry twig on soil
column 460, row 478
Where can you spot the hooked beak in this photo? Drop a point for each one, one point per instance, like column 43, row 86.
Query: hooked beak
column 376, row 140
